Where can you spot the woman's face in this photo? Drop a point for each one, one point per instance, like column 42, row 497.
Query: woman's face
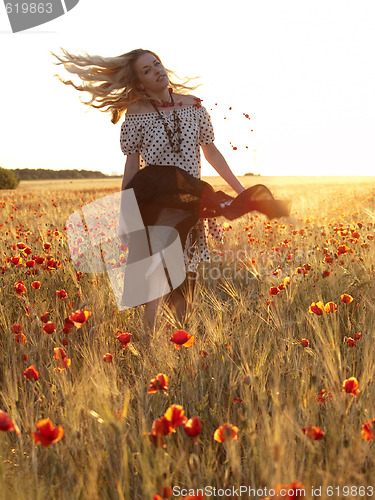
column 151, row 74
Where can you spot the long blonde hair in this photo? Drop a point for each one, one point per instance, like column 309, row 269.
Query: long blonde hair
column 112, row 81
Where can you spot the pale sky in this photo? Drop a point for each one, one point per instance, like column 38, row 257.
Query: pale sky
column 303, row 70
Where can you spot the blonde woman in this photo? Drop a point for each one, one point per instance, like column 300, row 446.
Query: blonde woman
column 164, row 129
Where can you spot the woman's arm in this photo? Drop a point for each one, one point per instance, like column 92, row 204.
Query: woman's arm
column 131, row 168
column 217, row 160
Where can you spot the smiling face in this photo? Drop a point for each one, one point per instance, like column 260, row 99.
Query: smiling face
column 151, row 74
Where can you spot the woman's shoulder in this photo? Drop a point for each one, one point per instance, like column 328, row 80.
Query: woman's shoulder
column 136, row 107
column 186, row 99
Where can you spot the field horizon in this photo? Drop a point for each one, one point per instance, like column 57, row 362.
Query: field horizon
column 216, row 181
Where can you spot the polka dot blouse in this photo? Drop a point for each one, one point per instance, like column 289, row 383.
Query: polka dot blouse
column 145, row 133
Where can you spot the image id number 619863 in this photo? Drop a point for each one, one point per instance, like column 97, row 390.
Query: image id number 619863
column 29, row 8
column 352, row 491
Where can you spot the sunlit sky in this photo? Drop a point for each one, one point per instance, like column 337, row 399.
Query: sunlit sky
column 303, row 70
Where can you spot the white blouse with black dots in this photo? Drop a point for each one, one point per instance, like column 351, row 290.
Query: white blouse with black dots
column 145, row 133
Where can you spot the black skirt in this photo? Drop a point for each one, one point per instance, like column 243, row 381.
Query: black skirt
column 168, row 194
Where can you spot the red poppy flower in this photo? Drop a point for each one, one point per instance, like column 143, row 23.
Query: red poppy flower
column 326, row 273
column 175, row 415
column 351, row 386
column 330, row 307
column 305, row 342
column 39, row 260
column 61, row 294
column 313, row 432
column 226, row 432
column 193, row 427
column 21, row 245
column 301, row 270
column 16, row 260
column 123, row 338
column 59, row 353
column 16, row 328
column 20, row 288
column 368, row 430
column 161, row 427
column 30, row 264
column 68, row 325
column 343, row 249
column 274, row 290
column 47, row 433
column 49, row 327
column 346, row 298
column 63, row 364
column 44, row 317
column 36, row 285
column 351, row 342
column 79, row 317
column 31, row 372
column 182, row 338
column 46, row 245
column 20, row 338
column 317, row 308
column 328, row 259
column 6, row 424
column 358, row 336
column 159, row 383
column 107, row 358
column 237, row 400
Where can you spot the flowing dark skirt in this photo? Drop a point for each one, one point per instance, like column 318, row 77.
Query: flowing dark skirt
column 169, row 196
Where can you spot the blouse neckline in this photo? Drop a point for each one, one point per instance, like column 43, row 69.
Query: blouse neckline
column 162, row 111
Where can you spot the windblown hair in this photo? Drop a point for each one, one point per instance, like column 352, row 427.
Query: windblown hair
column 111, row 81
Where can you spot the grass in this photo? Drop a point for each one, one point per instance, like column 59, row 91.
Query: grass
column 240, row 331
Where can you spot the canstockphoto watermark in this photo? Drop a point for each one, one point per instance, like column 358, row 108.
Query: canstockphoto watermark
column 248, row 264
column 26, row 14
column 212, row 491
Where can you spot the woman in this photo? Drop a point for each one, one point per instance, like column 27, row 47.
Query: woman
column 164, row 129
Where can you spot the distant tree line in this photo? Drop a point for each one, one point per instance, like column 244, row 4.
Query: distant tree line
column 32, row 174
column 250, row 173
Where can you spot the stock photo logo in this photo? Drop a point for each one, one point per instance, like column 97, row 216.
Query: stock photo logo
column 24, row 15
column 142, row 262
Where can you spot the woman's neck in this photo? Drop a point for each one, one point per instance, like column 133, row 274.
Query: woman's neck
column 163, row 96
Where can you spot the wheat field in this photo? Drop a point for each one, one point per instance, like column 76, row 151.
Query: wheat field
column 283, row 326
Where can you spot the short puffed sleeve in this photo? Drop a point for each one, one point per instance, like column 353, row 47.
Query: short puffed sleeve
column 206, row 131
column 131, row 134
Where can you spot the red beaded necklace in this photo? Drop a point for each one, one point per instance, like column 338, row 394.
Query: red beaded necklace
column 166, row 104
column 174, row 135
